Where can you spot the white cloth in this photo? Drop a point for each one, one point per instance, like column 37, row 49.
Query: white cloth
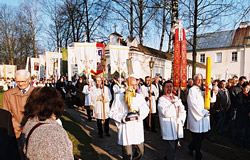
column 168, row 118
column 145, row 91
column 95, row 94
column 86, row 57
column 130, row 132
column 197, row 121
column 117, row 89
column 86, row 93
column 118, row 58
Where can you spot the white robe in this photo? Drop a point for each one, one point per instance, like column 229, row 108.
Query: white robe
column 168, row 119
column 86, row 93
column 145, row 92
column 130, row 132
column 98, row 104
column 117, row 89
column 196, row 121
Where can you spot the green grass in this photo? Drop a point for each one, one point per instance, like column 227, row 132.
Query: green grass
column 81, row 141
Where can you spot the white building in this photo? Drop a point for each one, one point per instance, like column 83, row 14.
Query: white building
column 142, row 55
column 229, row 52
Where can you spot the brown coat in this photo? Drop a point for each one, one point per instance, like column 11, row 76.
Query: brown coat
column 14, row 101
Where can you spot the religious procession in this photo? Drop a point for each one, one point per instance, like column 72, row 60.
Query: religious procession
column 92, row 95
column 136, row 100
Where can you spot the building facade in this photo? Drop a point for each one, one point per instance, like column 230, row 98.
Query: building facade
column 229, row 52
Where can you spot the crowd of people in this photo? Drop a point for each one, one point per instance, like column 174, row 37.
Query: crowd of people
column 133, row 104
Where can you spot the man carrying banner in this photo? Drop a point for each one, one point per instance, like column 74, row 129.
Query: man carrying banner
column 198, row 121
column 98, row 98
column 130, row 131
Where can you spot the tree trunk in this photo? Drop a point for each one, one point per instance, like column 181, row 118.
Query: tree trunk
column 131, row 19
column 163, row 24
column 141, row 21
column 195, row 37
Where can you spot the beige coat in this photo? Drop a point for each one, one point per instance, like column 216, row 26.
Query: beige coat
column 14, row 101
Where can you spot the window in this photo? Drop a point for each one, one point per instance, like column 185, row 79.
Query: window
column 202, row 58
column 234, row 56
column 218, row 57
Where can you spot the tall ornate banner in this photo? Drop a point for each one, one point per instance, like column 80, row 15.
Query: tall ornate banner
column 72, row 63
column 7, row 71
column 52, row 64
column 100, row 54
column 86, row 57
column 118, row 58
column 34, row 67
column 42, row 60
column 180, row 59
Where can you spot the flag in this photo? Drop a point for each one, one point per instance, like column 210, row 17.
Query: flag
column 180, row 60
column 64, row 60
column 100, row 55
column 118, row 58
column 34, row 67
column 86, row 57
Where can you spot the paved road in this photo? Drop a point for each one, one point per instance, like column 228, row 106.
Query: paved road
column 107, row 147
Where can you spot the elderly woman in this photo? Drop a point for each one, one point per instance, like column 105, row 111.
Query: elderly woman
column 43, row 136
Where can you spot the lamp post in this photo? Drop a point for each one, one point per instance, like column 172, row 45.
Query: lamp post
column 151, row 66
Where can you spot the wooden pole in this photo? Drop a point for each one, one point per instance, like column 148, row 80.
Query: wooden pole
column 103, row 98
column 150, row 96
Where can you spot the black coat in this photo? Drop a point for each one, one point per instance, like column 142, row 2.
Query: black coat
column 8, row 142
column 243, row 109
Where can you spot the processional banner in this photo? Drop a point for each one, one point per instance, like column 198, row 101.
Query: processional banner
column 100, row 48
column 86, row 57
column 7, row 71
column 118, row 58
column 34, row 67
column 72, row 63
column 180, row 59
column 52, row 64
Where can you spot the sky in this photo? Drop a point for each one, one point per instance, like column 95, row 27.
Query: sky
column 153, row 40
column 11, row 2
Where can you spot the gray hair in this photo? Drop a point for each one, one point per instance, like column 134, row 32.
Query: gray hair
column 23, row 72
column 196, row 75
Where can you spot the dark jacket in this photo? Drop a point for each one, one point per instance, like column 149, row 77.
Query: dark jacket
column 8, row 143
column 243, row 109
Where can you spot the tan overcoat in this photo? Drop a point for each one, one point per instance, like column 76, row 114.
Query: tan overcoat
column 14, row 101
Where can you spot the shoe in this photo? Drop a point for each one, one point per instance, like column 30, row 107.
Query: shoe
column 100, row 136
column 107, row 134
column 190, row 152
column 154, row 131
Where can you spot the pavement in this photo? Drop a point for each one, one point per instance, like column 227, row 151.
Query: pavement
column 107, row 147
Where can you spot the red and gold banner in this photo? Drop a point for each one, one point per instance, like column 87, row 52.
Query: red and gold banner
column 180, row 60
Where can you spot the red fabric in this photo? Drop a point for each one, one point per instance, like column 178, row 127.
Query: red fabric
column 180, row 61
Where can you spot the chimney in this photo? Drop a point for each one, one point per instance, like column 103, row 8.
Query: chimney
column 244, row 24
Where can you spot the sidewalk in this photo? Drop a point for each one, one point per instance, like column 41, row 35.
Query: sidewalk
column 107, row 147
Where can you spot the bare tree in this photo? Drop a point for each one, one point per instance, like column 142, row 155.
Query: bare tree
column 200, row 15
column 31, row 9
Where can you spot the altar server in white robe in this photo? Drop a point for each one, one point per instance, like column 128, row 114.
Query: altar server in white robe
column 172, row 116
column 130, row 132
column 154, row 96
column 97, row 97
column 198, row 121
column 87, row 103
